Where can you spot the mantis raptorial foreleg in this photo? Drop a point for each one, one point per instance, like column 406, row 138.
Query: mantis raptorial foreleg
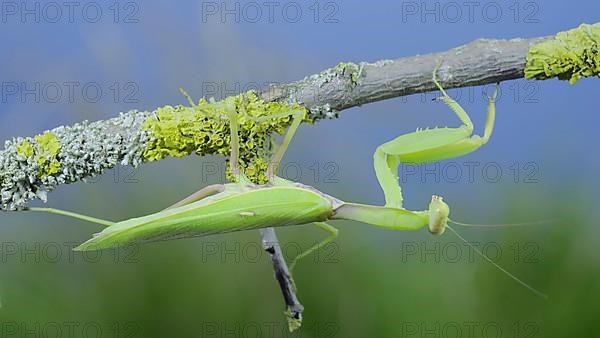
column 425, row 146
column 429, row 145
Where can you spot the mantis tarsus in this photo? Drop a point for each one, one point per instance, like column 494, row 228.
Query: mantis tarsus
column 243, row 205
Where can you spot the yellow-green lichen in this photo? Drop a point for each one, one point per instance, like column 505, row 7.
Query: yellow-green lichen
column 203, row 129
column 570, row 55
column 294, row 320
column 48, row 144
column 25, row 149
column 44, row 151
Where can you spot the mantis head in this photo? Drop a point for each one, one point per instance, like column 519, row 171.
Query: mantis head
column 438, row 215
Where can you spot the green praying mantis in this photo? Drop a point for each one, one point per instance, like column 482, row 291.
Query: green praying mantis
column 243, row 205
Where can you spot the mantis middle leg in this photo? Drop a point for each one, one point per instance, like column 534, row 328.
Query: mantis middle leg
column 272, row 170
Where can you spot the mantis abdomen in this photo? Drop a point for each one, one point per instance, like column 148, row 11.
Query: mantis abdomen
column 260, row 208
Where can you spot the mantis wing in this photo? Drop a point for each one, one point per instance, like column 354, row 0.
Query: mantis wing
column 224, row 212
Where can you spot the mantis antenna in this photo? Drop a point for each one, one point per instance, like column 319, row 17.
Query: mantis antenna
column 530, row 288
column 540, row 222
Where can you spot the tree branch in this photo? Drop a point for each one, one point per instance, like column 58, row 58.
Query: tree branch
column 480, row 62
column 286, row 283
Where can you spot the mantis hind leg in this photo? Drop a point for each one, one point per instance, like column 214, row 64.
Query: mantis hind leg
column 200, row 194
column 234, row 156
column 276, row 158
column 72, row 215
column 333, row 233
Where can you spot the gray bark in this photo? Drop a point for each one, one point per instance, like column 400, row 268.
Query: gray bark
column 480, row 62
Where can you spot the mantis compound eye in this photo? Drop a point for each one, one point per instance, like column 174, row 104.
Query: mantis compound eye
column 438, row 215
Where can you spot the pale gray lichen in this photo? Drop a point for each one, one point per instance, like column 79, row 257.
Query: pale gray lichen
column 86, row 150
column 346, row 72
column 324, row 111
column 380, row 63
column 344, row 75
